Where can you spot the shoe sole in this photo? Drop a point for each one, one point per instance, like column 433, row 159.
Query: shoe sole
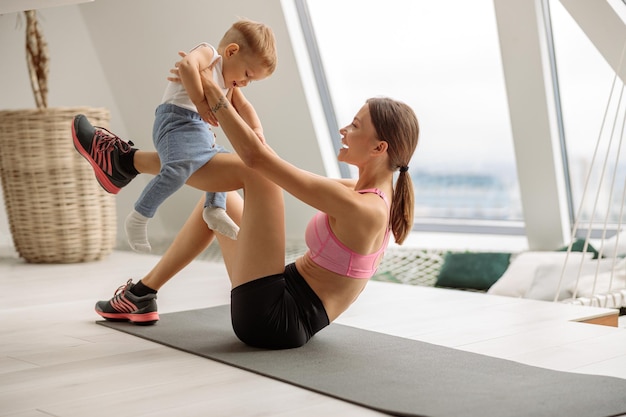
column 102, row 178
column 145, row 319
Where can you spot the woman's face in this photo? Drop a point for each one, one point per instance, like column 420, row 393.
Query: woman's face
column 358, row 139
column 240, row 69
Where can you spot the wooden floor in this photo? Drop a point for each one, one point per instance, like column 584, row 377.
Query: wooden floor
column 55, row 361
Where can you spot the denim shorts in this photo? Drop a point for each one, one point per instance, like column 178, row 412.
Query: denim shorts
column 184, row 143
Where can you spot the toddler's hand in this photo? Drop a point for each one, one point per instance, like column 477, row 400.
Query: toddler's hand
column 176, row 77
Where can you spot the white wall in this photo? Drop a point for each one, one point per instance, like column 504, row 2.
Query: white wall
column 116, row 54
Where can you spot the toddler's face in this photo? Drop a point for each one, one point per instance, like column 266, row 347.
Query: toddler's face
column 240, row 69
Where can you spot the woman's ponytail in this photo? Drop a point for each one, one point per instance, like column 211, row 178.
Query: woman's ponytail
column 396, row 124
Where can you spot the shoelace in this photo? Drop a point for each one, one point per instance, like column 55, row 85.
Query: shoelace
column 122, row 288
column 107, row 141
column 119, row 302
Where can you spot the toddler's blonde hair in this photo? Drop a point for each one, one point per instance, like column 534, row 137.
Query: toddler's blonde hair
column 255, row 39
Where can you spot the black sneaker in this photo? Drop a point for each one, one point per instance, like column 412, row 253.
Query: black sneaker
column 102, row 149
column 126, row 306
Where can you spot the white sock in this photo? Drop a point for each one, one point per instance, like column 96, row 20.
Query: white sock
column 218, row 221
column 137, row 232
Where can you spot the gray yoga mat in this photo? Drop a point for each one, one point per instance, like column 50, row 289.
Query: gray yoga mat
column 394, row 375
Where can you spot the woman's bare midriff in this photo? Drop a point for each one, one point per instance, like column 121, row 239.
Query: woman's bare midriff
column 337, row 292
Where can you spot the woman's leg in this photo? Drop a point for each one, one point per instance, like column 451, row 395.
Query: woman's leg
column 234, row 208
column 260, row 246
column 191, row 240
column 259, row 251
column 137, row 302
column 147, row 162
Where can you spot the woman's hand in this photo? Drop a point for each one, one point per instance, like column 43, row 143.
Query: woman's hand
column 209, row 83
column 207, row 115
column 206, row 112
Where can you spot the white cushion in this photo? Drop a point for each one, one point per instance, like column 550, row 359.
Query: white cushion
column 590, row 285
column 614, row 246
column 547, row 276
column 519, row 276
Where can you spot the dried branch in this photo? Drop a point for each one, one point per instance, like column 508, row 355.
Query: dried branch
column 37, row 58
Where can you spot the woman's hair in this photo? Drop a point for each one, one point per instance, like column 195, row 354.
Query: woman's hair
column 254, row 39
column 396, row 124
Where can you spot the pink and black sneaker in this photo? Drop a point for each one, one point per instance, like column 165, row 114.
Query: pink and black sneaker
column 103, row 150
column 126, row 306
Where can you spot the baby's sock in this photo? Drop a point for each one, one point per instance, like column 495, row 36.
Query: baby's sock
column 137, row 232
column 217, row 220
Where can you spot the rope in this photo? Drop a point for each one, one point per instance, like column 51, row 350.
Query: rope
column 618, row 106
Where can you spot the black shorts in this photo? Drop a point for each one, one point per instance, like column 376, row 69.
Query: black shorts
column 277, row 312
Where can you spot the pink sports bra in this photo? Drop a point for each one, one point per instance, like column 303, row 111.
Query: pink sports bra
column 327, row 251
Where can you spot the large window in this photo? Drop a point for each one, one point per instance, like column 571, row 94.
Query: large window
column 443, row 59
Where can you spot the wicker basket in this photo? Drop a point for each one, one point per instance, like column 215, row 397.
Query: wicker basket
column 57, row 211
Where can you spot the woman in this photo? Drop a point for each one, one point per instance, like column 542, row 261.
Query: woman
column 274, row 306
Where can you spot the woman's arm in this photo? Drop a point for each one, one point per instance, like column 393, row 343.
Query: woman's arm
column 247, row 112
column 348, row 182
column 328, row 195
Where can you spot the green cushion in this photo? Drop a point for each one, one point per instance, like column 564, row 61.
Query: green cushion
column 579, row 245
column 475, row 270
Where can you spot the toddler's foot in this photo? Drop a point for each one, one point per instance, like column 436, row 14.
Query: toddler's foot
column 137, row 232
column 218, row 221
